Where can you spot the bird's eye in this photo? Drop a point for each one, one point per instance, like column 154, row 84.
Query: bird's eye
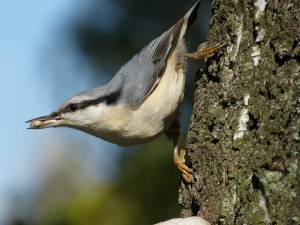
column 72, row 107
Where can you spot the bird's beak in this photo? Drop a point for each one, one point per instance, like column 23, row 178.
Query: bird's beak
column 52, row 120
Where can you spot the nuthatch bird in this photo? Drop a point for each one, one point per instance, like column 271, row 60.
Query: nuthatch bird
column 141, row 101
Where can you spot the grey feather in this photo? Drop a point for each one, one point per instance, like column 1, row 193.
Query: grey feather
column 139, row 77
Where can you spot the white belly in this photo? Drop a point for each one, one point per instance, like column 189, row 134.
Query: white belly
column 160, row 108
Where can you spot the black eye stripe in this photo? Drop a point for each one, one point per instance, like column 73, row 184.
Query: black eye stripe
column 112, row 98
column 87, row 103
column 109, row 99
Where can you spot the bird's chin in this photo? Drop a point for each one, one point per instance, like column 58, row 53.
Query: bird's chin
column 46, row 122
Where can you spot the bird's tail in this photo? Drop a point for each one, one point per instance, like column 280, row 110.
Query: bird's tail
column 189, row 18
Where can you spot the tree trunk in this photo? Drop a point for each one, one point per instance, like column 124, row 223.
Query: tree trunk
column 244, row 137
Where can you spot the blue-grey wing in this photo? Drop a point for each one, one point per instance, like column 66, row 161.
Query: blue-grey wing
column 139, row 77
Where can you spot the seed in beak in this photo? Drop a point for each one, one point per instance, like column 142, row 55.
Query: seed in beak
column 35, row 123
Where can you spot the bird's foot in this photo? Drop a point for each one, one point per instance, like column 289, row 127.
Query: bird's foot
column 186, row 172
column 205, row 51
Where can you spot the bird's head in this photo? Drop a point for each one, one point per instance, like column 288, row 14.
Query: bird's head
column 83, row 111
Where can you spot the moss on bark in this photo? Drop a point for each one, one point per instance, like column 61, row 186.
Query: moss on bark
column 244, row 137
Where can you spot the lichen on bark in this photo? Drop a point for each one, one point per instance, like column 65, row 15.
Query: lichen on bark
column 244, row 136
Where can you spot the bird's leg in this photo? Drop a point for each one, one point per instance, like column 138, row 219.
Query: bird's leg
column 179, row 155
column 205, row 51
column 179, row 161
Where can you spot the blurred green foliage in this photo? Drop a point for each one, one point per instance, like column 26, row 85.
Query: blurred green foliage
column 144, row 192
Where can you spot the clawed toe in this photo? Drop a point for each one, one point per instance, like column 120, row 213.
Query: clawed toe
column 205, row 51
column 186, row 172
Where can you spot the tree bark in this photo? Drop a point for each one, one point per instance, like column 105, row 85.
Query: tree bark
column 243, row 141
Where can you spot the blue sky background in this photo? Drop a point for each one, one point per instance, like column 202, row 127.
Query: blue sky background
column 32, row 41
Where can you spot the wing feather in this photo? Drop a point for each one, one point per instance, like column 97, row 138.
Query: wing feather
column 141, row 75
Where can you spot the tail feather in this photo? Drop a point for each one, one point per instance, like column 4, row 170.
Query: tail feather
column 191, row 15
column 160, row 47
column 189, row 18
